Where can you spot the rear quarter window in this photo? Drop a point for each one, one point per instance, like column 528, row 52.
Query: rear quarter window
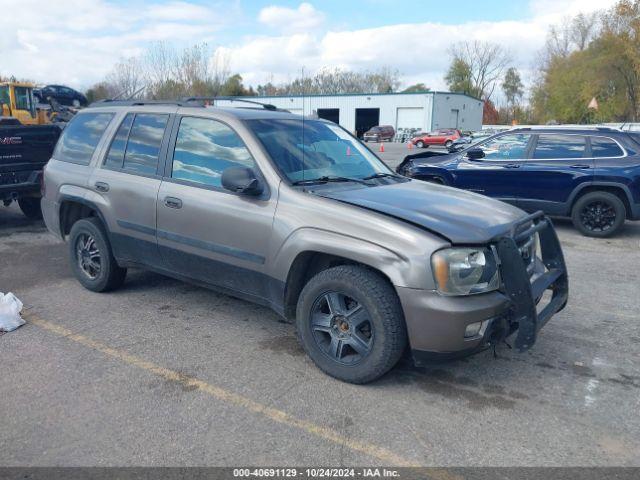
column 602, row 147
column 80, row 138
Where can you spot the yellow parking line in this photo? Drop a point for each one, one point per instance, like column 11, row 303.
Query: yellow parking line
column 220, row 393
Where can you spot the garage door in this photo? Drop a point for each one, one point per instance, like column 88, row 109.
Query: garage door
column 410, row 117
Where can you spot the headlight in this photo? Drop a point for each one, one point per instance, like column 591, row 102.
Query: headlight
column 465, row 271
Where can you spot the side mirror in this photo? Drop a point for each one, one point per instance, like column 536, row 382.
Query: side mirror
column 241, row 180
column 475, row 153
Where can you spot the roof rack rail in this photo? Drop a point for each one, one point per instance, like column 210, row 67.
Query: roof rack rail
column 107, row 102
column 266, row 106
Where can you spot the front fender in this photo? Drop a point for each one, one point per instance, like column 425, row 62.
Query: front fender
column 394, row 265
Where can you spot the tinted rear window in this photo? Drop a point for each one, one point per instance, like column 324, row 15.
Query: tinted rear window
column 145, row 139
column 559, row 146
column 80, row 138
column 605, row 147
column 115, row 157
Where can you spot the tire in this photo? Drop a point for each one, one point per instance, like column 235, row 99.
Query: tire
column 375, row 334
column 598, row 214
column 75, row 103
column 420, row 144
column 30, row 207
column 448, row 143
column 98, row 274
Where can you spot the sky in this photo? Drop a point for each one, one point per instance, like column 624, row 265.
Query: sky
column 77, row 42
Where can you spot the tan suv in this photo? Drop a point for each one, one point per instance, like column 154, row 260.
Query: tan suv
column 298, row 215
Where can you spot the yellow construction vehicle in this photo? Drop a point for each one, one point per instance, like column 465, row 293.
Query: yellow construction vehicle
column 17, row 101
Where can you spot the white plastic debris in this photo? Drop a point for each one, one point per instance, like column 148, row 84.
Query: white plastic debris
column 10, row 308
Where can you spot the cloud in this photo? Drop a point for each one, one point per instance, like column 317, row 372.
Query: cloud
column 417, row 50
column 82, row 45
column 284, row 19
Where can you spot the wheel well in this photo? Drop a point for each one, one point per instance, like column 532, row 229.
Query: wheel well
column 305, row 266
column 71, row 212
column 617, row 191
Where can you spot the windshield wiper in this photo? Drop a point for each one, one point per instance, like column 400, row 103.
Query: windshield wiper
column 326, row 179
column 382, row 175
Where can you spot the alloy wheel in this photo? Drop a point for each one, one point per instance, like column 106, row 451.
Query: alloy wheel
column 88, row 255
column 342, row 328
column 598, row 216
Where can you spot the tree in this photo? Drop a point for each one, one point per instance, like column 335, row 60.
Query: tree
column 458, row 78
column 416, row 88
column 513, row 90
column 99, row 91
column 328, row 81
column 603, row 63
column 126, row 79
column 478, row 66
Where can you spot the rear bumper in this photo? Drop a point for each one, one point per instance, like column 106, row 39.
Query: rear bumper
column 50, row 216
column 436, row 324
column 13, row 186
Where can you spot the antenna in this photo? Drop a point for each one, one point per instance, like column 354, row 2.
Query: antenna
column 304, row 153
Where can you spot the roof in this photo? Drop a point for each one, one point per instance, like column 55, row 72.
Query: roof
column 426, row 92
column 170, row 106
column 585, row 129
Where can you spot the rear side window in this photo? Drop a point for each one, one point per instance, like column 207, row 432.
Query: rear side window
column 605, row 147
column 136, row 145
column 559, row 146
column 204, row 149
column 80, row 138
column 115, row 157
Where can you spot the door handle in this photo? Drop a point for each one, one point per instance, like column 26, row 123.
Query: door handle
column 512, row 165
column 581, row 166
column 102, row 186
column 173, row 202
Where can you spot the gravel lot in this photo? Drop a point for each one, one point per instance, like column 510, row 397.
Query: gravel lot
column 165, row 373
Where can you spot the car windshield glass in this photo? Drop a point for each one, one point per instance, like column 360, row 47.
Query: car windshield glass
column 310, row 149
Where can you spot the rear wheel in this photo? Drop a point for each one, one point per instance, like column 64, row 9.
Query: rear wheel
column 30, row 206
column 350, row 323
column 92, row 261
column 598, row 214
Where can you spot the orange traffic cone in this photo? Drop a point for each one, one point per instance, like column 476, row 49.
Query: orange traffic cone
column 410, row 145
column 381, row 147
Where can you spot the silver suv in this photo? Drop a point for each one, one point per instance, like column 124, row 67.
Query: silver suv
column 298, row 215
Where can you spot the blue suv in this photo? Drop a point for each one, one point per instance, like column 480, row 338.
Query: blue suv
column 591, row 175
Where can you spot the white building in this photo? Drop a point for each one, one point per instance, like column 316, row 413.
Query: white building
column 358, row 112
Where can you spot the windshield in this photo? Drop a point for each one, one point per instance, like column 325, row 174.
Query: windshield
column 319, row 150
column 4, row 95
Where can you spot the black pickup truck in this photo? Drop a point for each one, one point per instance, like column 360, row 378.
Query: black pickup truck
column 24, row 150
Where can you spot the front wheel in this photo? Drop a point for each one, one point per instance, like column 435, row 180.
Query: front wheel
column 420, row 144
column 598, row 214
column 448, row 143
column 350, row 323
column 30, row 206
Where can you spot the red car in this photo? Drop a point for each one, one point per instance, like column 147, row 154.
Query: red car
column 445, row 137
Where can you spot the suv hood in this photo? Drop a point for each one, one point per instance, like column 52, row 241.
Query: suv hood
column 459, row 216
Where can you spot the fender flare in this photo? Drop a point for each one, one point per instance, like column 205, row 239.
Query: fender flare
column 581, row 187
column 392, row 264
column 76, row 195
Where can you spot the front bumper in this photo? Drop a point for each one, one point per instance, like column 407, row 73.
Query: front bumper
column 436, row 323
